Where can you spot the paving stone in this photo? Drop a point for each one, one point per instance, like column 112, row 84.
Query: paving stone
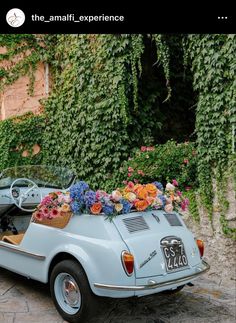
column 12, row 305
column 26, row 301
column 36, row 317
column 7, row 317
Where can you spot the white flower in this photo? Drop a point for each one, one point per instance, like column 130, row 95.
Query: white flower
column 170, row 187
column 169, row 208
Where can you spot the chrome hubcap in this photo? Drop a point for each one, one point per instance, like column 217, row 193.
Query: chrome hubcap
column 70, row 292
column 67, row 293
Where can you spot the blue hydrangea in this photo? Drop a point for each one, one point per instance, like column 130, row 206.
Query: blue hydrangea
column 108, row 209
column 89, row 198
column 75, row 207
column 163, row 199
column 126, row 206
column 77, row 190
column 83, row 185
column 159, row 185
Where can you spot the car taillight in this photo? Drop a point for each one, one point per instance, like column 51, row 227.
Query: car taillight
column 127, row 262
column 200, row 245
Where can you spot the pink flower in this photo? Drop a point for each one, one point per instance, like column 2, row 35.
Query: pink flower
column 188, row 188
column 183, row 206
column 100, row 194
column 175, row 183
column 186, row 201
column 140, row 172
column 45, row 212
column 130, row 169
column 130, row 184
column 179, row 193
column 38, row 215
column 136, row 181
column 186, row 161
column 125, row 182
column 129, row 174
column 150, row 148
column 46, row 200
column 143, row 148
column 54, row 213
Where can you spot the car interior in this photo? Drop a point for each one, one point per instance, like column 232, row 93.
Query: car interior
column 20, row 195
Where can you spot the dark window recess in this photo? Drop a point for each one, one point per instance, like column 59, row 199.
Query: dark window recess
column 173, row 220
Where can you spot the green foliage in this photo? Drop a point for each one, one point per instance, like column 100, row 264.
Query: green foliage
column 23, row 53
column 92, row 111
column 223, row 203
column 160, row 163
column 99, row 108
column 193, row 204
column 213, row 64
column 17, row 135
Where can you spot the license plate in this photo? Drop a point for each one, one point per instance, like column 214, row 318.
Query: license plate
column 175, row 257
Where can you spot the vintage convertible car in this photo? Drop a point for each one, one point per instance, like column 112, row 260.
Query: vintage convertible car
column 134, row 254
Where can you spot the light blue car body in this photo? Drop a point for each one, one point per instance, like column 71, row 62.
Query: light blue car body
column 97, row 243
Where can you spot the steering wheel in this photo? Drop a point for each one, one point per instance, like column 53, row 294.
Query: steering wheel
column 23, row 196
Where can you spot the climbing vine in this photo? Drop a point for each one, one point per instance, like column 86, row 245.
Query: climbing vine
column 22, row 53
column 213, row 63
column 90, row 113
column 21, row 140
column 96, row 114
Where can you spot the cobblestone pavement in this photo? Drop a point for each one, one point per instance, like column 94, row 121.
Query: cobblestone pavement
column 23, row 301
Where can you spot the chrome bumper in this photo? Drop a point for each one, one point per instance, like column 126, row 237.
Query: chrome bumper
column 199, row 270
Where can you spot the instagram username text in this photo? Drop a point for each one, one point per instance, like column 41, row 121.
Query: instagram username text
column 72, row 18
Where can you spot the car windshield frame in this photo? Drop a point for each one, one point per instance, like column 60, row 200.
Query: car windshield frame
column 43, row 175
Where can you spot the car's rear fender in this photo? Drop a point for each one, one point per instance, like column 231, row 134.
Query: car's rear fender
column 100, row 260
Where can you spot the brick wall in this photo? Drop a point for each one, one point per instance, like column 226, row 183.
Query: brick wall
column 14, row 100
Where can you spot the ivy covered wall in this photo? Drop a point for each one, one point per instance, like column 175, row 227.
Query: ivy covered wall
column 106, row 96
column 95, row 103
column 21, row 140
column 212, row 59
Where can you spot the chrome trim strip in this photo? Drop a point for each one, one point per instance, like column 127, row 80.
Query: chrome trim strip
column 12, row 248
column 156, row 285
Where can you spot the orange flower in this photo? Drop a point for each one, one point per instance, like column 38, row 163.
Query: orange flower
column 128, row 189
column 96, row 208
column 141, row 205
column 142, row 193
column 137, row 187
column 65, row 208
column 152, row 190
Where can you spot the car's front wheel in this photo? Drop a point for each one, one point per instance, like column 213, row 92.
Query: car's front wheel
column 71, row 292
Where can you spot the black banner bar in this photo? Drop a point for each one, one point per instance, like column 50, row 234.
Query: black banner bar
column 141, row 19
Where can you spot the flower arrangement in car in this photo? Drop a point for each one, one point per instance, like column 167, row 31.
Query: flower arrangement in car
column 133, row 197
column 54, row 205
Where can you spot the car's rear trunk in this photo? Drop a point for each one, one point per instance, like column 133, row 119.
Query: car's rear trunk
column 144, row 233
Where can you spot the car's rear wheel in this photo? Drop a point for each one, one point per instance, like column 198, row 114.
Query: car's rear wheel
column 71, row 292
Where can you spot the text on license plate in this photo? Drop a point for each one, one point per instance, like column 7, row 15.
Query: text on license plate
column 175, row 257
